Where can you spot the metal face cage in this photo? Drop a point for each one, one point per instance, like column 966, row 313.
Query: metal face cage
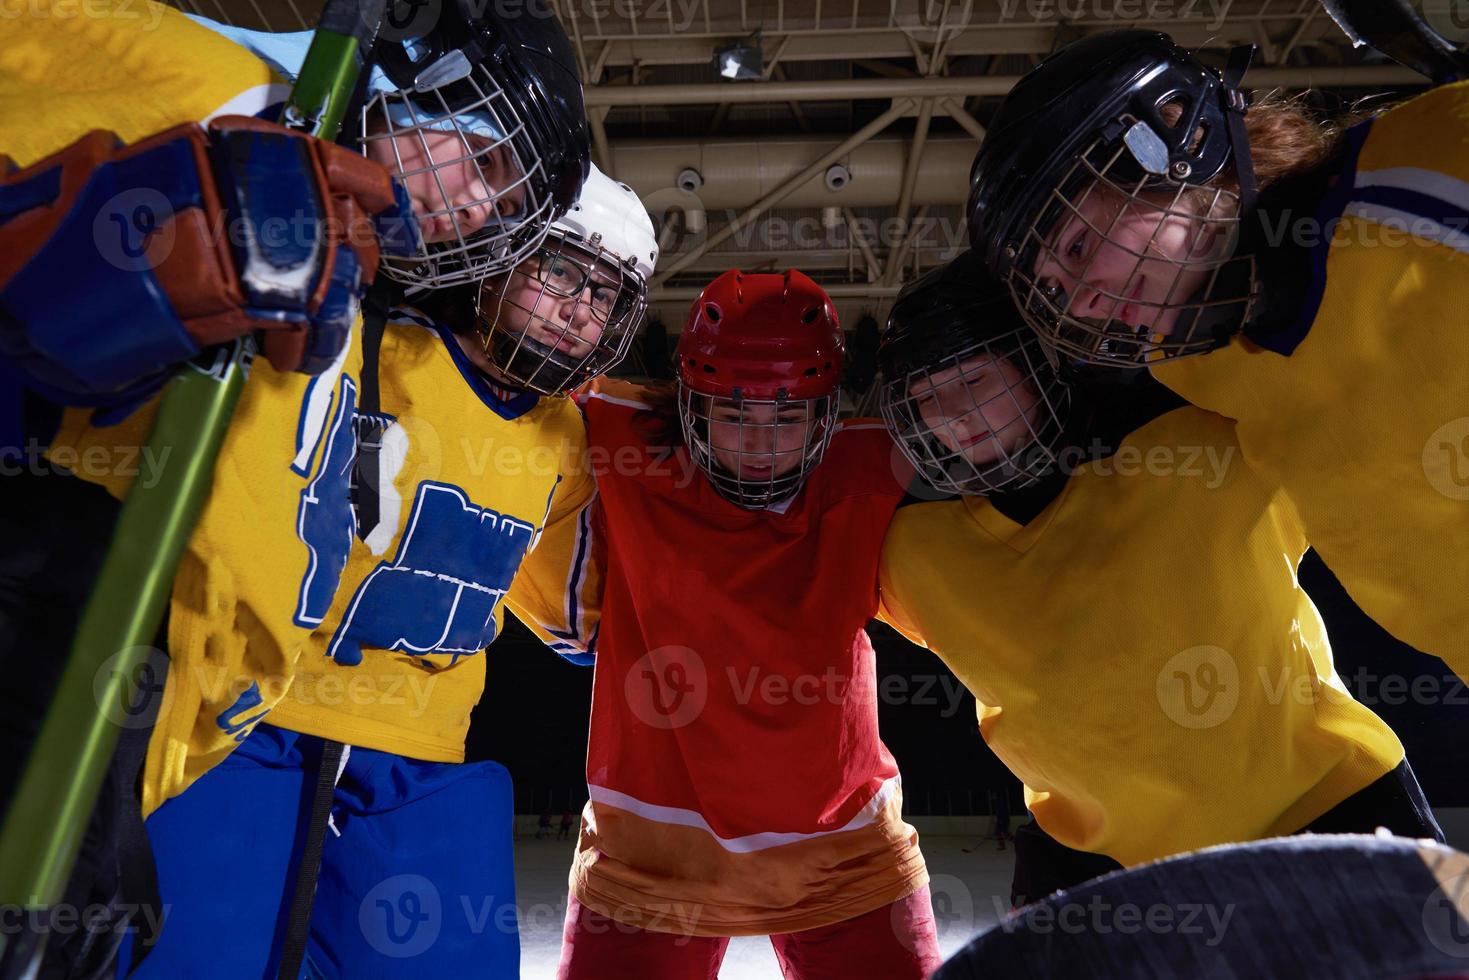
column 989, row 417
column 566, row 314
column 488, row 204
column 756, row 452
column 1125, row 267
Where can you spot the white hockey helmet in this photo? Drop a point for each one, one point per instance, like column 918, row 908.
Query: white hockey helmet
column 571, row 309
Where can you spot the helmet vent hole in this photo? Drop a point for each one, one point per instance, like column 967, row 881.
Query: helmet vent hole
column 810, row 372
column 1174, row 109
column 708, row 368
column 713, row 312
column 1197, row 141
column 810, row 315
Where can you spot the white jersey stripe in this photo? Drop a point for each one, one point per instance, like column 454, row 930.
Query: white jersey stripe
column 1419, row 181
column 1416, row 225
column 750, row 842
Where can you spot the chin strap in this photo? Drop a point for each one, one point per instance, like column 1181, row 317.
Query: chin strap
column 1236, row 104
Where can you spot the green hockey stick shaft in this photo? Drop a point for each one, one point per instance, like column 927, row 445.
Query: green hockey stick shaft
column 73, row 750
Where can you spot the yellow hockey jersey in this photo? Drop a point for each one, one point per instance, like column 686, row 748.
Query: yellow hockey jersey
column 1141, row 653
column 1362, row 415
column 472, row 483
column 470, row 478
column 230, row 629
column 130, row 66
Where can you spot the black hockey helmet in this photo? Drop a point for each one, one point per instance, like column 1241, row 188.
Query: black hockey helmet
column 507, row 75
column 1098, row 88
column 1132, row 113
column 969, row 393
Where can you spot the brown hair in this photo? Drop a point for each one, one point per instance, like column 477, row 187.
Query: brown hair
column 1287, row 138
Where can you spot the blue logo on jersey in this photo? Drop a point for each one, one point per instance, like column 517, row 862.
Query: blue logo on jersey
column 229, row 719
column 438, row 594
column 324, row 520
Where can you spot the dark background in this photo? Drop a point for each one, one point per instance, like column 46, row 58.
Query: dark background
column 533, row 717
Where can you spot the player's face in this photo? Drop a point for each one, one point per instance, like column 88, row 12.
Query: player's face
column 759, row 441
column 556, row 302
column 981, row 407
column 1119, row 258
column 452, row 177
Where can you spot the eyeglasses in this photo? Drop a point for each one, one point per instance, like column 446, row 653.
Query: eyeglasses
column 565, row 276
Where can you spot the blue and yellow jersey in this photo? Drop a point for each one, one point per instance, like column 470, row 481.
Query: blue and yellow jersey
column 231, row 628
column 1142, row 656
column 130, row 66
column 261, row 610
column 470, row 479
column 1361, row 409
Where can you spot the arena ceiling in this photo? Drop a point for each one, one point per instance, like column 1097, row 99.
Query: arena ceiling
column 847, row 155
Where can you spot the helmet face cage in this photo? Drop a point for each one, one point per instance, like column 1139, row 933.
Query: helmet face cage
column 492, row 204
column 1083, row 263
column 1000, row 397
column 722, row 423
column 540, row 341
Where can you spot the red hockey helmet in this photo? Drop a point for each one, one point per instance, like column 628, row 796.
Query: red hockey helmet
column 759, row 363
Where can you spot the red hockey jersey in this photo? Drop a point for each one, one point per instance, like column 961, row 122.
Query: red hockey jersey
column 738, row 785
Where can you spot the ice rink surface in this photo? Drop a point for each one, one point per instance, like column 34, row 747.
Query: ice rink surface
column 970, row 892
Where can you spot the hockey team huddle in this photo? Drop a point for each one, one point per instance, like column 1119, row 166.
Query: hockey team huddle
column 427, row 438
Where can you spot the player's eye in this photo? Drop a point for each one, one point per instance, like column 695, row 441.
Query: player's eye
column 1076, row 248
